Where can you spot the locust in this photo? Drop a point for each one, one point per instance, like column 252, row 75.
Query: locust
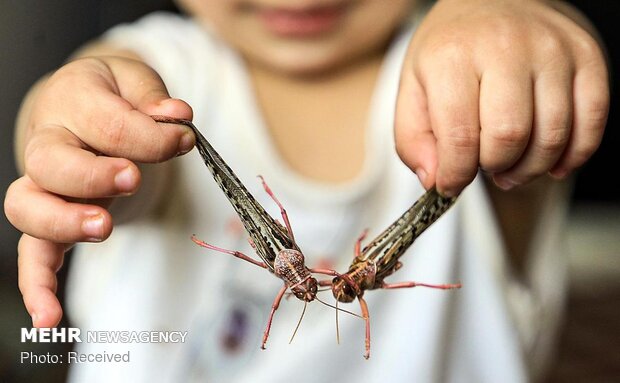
column 381, row 257
column 274, row 243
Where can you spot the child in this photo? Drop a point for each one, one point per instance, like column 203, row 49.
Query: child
column 306, row 93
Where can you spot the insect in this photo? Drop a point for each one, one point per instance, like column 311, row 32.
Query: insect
column 275, row 244
column 380, row 258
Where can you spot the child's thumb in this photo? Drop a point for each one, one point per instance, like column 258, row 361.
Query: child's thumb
column 155, row 100
column 415, row 142
column 145, row 90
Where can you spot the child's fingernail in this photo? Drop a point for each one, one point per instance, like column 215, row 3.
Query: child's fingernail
column 34, row 317
column 559, row 173
column 125, row 180
column 448, row 193
column 186, row 143
column 93, row 227
column 504, row 183
column 422, row 174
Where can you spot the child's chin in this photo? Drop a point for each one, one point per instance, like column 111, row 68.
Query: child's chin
column 304, row 64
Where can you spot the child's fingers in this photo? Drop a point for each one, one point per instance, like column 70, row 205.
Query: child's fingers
column 453, row 99
column 55, row 161
column 552, row 126
column 38, row 261
column 591, row 105
column 108, row 108
column 46, row 216
column 506, row 113
column 116, row 129
column 145, row 90
column 415, row 141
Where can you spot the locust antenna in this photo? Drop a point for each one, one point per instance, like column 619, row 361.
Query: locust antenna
column 337, row 327
column 298, row 323
column 339, row 309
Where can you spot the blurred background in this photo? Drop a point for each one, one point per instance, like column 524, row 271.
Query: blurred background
column 37, row 36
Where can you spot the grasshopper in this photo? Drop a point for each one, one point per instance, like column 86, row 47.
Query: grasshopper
column 274, row 243
column 381, row 257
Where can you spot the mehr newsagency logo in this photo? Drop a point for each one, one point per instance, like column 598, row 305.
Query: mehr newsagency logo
column 75, row 335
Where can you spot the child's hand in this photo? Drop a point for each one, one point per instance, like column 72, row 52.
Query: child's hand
column 79, row 133
column 516, row 88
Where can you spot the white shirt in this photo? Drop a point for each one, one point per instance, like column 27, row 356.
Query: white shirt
column 149, row 275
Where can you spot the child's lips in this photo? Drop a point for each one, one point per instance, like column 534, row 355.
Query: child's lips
column 301, row 23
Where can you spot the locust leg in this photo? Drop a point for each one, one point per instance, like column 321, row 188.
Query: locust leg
column 237, row 254
column 402, row 285
column 274, row 307
column 366, row 315
column 282, row 210
column 358, row 244
column 331, row 272
column 334, row 273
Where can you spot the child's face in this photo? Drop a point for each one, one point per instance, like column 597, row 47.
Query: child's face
column 302, row 36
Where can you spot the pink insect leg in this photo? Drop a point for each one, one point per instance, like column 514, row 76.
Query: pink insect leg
column 282, row 210
column 402, row 285
column 237, row 254
column 274, row 307
column 366, row 315
column 358, row 244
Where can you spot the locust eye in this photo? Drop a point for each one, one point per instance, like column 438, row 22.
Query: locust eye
column 347, row 290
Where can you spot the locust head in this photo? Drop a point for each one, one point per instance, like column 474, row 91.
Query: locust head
column 344, row 291
column 289, row 266
column 306, row 291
